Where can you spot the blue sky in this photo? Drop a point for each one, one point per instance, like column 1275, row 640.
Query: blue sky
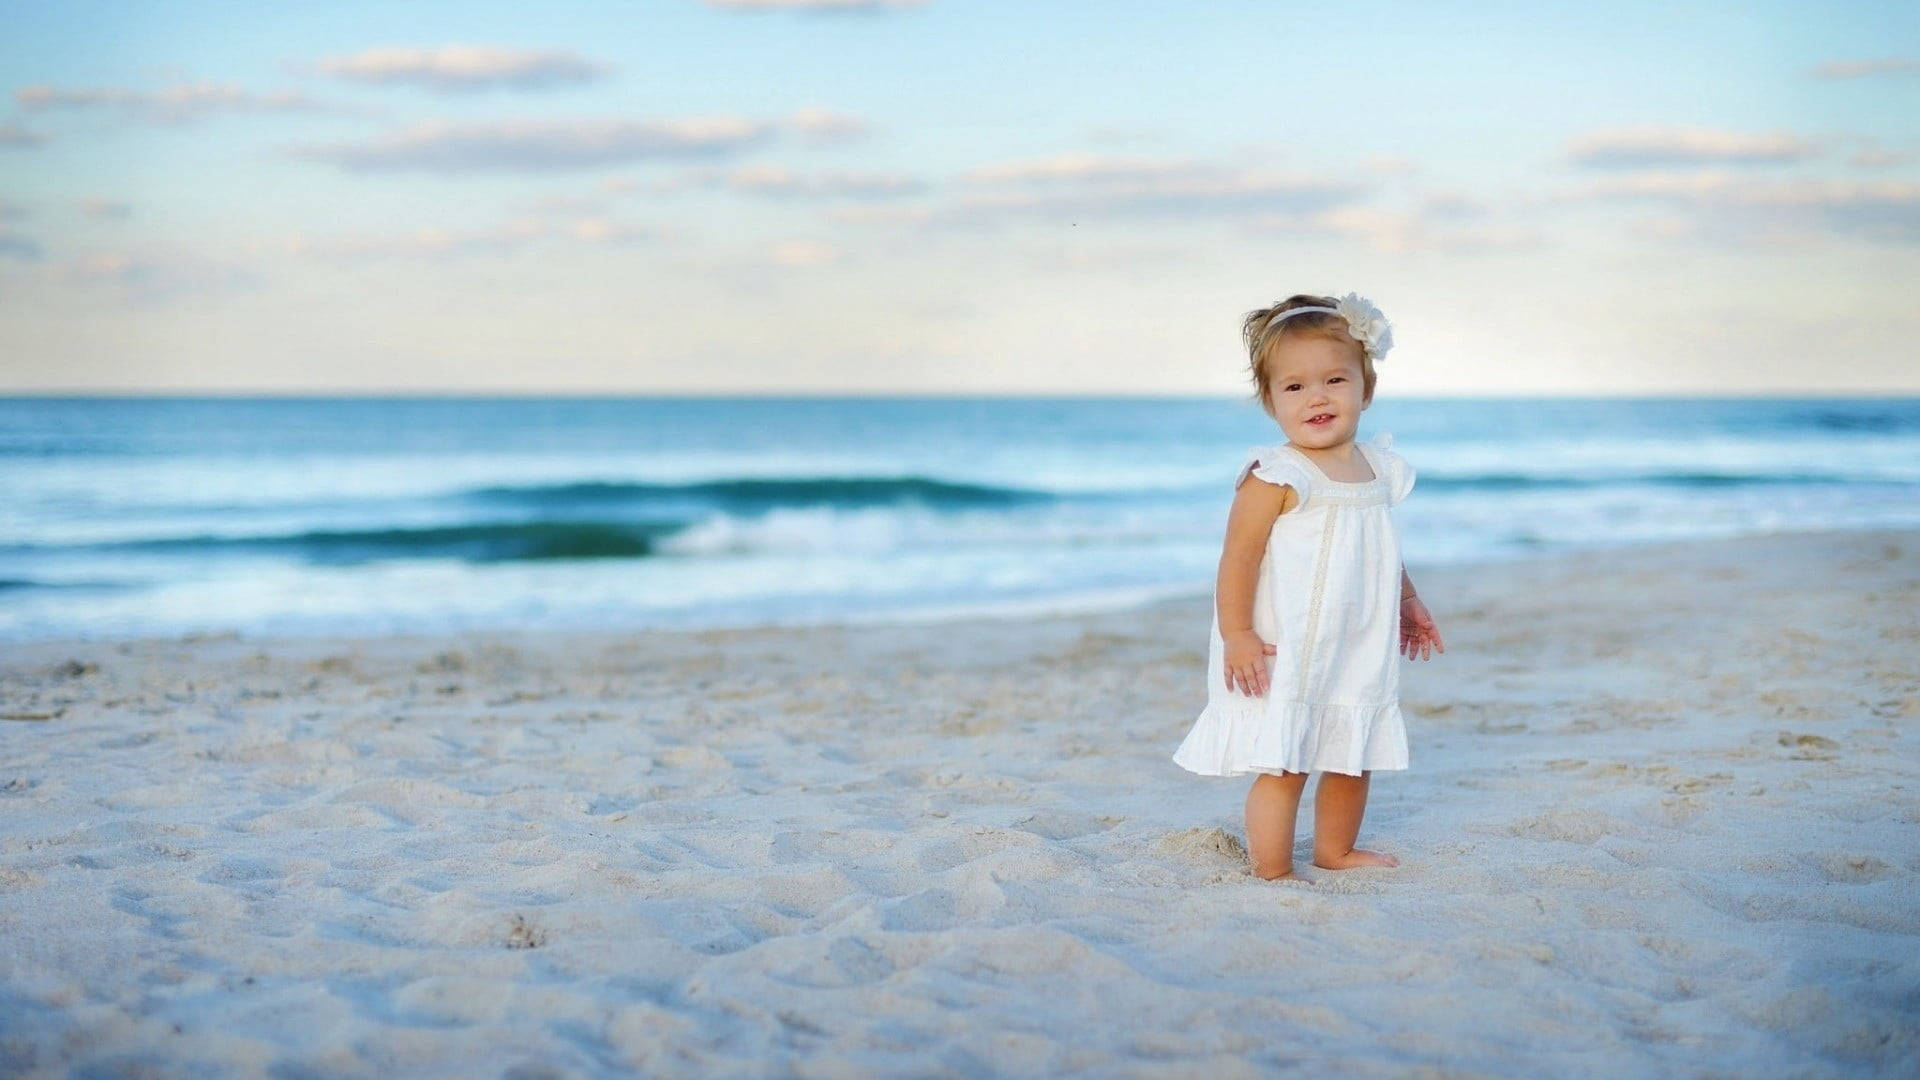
column 950, row 196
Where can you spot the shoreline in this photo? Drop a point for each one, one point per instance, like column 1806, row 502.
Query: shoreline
column 1017, row 612
column 1661, row 817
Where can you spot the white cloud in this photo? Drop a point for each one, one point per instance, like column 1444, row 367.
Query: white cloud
column 1665, row 227
column 593, row 202
column 1855, row 69
column 563, row 203
column 1399, row 232
column 1873, row 158
column 178, row 104
column 1453, row 204
column 1066, row 187
column 427, row 242
column 1078, row 168
column 17, row 137
column 148, row 279
column 1385, row 230
column 535, row 145
column 110, row 265
column 1490, row 238
column 882, row 215
column 600, row 230
column 15, row 245
column 1884, row 210
column 821, row 125
column 101, row 209
column 459, row 67
column 1665, row 185
column 440, row 244
column 1645, row 146
column 783, row 182
column 1389, row 165
column 1175, row 191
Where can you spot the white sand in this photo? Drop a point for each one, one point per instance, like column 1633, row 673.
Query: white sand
column 1661, row 819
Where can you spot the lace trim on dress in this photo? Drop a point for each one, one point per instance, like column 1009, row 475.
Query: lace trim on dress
column 1354, row 498
column 1319, row 592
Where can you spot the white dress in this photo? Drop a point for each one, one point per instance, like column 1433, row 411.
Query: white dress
column 1328, row 599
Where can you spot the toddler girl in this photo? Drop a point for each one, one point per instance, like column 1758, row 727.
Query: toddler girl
column 1310, row 576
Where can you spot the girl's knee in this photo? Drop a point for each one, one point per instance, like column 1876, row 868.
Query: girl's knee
column 1290, row 778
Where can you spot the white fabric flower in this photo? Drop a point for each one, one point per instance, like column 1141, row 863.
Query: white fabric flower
column 1366, row 324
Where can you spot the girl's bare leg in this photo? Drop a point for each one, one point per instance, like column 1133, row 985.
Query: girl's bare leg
column 1338, row 805
column 1273, row 805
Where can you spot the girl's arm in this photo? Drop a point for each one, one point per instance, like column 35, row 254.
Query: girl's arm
column 1256, row 504
column 1419, row 637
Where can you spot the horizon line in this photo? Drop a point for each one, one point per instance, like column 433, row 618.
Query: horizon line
column 237, row 394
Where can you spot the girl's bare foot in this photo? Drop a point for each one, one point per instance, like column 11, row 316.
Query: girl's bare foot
column 1356, row 857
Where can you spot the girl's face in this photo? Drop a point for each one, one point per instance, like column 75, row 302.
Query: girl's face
column 1316, row 390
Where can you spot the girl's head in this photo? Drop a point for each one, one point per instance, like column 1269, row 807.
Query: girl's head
column 1309, row 373
column 1264, row 336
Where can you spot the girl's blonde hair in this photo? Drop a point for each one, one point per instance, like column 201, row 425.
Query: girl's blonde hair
column 1261, row 336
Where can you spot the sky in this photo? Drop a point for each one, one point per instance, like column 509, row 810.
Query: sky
column 954, row 196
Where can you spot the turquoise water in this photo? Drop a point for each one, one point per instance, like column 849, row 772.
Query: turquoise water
column 127, row 516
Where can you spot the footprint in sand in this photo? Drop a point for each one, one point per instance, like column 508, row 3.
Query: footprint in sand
column 1850, row 869
column 1065, row 825
column 943, row 908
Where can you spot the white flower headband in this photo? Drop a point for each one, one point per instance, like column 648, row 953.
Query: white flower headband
column 1365, row 323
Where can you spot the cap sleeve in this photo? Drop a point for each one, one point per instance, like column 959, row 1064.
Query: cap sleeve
column 1398, row 472
column 1276, row 466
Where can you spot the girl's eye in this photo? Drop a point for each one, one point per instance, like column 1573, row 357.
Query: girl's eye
column 1338, row 378
column 1293, row 386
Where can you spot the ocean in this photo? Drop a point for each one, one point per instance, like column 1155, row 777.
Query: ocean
column 142, row 516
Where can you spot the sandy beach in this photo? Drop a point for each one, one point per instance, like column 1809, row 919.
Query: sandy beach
column 1663, row 818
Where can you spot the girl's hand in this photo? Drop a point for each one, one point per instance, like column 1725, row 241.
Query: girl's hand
column 1246, row 662
column 1419, row 638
